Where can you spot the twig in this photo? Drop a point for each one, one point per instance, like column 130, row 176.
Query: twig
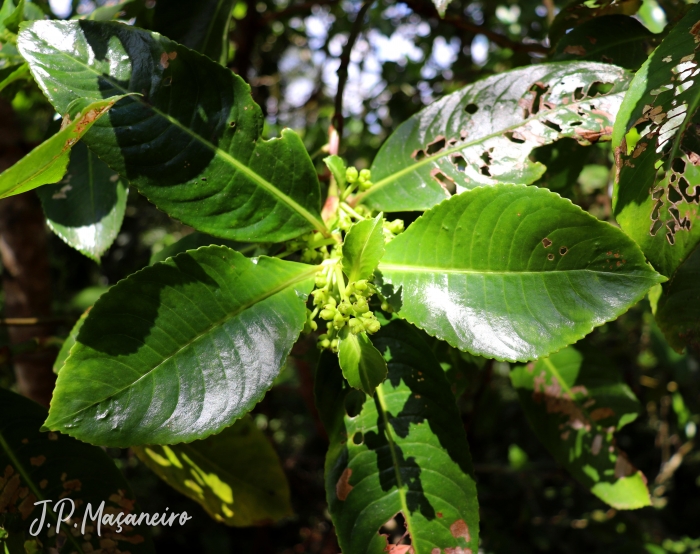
column 674, row 462
column 295, row 8
column 428, row 10
column 31, row 321
column 337, row 120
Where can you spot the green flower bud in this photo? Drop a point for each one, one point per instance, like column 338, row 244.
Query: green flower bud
column 368, row 315
column 345, row 308
column 365, row 175
column 321, row 280
column 387, row 307
column 356, row 326
column 338, row 321
column 361, row 305
column 327, row 314
column 325, row 343
column 313, row 325
column 331, row 302
column 351, row 175
column 361, row 285
column 334, row 345
column 373, row 326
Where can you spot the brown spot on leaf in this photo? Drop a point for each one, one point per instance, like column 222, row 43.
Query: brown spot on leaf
column 460, row 529
column 563, row 250
column 164, row 62
column 602, row 413
column 343, row 486
column 37, row 461
column 550, row 257
column 458, row 550
column 7, row 495
column 546, row 242
column 575, row 50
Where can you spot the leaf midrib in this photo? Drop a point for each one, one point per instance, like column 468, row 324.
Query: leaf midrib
column 239, row 166
column 442, row 153
column 281, row 287
column 430, row 269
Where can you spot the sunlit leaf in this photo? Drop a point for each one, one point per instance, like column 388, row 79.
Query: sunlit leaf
column 50, row 466
column 236, row 475
column 363, row 248
column 181, row 349
column 195, row 151
column 512, row 272
column 362, row 364
column 485, row 133
column 86, row 208
column 48, row 162
column 574, row 405
column 402, row 451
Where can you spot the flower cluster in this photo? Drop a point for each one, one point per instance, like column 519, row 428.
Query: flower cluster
column 362, row 179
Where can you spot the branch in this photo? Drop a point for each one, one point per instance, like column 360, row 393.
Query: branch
column 337, row 120
column 429, row 11
column 295, row 8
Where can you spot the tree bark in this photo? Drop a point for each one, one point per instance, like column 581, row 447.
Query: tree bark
column 26, row 278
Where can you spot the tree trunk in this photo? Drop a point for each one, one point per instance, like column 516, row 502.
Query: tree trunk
column 26, row 278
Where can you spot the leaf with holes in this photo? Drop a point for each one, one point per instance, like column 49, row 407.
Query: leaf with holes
column 201, row 26
column 485, row 133
column 38, row 466
column 574, row 404
column 86, row 208
column 236, row 475
column 181, row 349
column 48, row 162
column 362, row 364
column 677, row 308
column 616, row 39
column 512, row 272
column 363, row 248
column 402, row 451
column 195, row 151
column 657, row 150
column 579, row 12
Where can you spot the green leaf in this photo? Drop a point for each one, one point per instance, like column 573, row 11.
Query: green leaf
column 657, row 151
column 485, row 133
column 196, row 240
column 12, row 21
column 69, row 342
column 49, row 466
column 195, row 151
column 181, row 349
column 13, row 73
column 574, row 404
column 86, row 208
column 403, row 450
column 236, row 475
column 363, row 248
column 512, row 272
column 616, row 39
column 201, row 25
column 47, row 163
column 578, row 12
column 336, row 166
column 677, row 308
column 362, row 364
column 108, row 12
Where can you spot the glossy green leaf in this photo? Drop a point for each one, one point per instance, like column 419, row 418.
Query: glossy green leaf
column 363, row 248
column 195, row 151
column 236, row 475
column 679, row 304
column 49, row 466
column 485, row 133
column 403, row 450
column 336, row 165
column 181, row 349
column 196, row 240
column 574, row 405
column 202, row 25
column 616, row 39
column 657, row 150
column 48, row 162
column 86, row 208
column 69, row 342
column 362, row 364
column 579, row 12
column 512, row 272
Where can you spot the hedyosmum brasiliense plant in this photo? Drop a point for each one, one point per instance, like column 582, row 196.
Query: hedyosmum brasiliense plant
column 171, row 359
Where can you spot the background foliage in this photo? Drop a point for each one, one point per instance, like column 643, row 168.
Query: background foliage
column 405, row 58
